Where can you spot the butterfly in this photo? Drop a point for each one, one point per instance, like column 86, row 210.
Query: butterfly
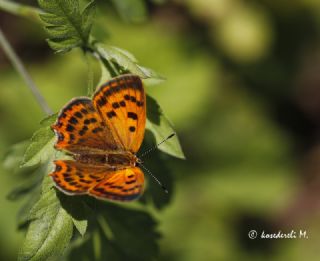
column 103, row 135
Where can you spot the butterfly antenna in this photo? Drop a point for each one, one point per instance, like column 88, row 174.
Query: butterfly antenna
column 157, row 145
column 158, row 181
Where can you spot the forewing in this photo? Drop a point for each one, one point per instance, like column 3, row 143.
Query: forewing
column 121, row 103
column 121, row 185
column 80, row 129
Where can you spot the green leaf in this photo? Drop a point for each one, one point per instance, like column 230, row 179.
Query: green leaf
column 13, row 157
column 161, row 128
column 24, row 211
column 126, row 62
column 88, row 15
column 134, row 237
column 24, row 188
column 49, row 120
column 81, row 225
column 131, row 10
column 66, row 24
column 41, row 147
column 105, row 74
column 50, row 229
column 78, row 211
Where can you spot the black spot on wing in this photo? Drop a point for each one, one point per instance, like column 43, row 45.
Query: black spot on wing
column 132, row 128
column 58, row 168
column 102, row 101
column 83, row 130
column 79, row 114
column 69, row 127
column 139, row 103
column 132, row 115
column 115, row 105
column 60, row 136
column 133, row 99
column 84, row 111
column 111, row 114
column 73, row 120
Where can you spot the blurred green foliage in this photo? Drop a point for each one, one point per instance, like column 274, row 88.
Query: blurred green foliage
column 235, row 91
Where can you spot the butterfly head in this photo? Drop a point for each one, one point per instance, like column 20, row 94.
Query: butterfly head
column 139, row 161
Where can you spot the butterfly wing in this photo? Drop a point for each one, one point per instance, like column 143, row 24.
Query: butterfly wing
column 80, row 129
column 121, row 103
column 121, row 185
column 100, row 181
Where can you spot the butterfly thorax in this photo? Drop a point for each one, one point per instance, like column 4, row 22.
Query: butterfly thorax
column 117, row 160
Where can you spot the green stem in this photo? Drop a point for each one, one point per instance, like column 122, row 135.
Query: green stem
column 20, row 10
column 16, row 62
column 90, row 73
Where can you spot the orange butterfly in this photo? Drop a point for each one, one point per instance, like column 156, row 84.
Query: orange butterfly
column 103, row 136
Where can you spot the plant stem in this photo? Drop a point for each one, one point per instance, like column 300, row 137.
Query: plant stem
column 90, row 73
column 16, row 62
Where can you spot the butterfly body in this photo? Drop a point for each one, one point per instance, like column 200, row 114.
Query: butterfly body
column 117, row 161
column 103, row 135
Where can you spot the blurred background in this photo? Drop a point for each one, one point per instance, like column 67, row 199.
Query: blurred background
column 243, row 92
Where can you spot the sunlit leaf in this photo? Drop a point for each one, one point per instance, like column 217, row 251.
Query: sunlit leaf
column 126, row 62
column 66, row 24
column 40, row 149
column 161, row 128
column 50, row 229
column 49, row 120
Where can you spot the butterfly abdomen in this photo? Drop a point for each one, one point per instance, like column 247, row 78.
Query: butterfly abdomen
column 121, row 159
column 91, row 158
column 116, row 160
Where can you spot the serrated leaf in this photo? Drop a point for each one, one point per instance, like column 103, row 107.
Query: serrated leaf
column 161, row 128
column 78, row 211
column 40, row 148
column 126, row 61
column 63, row 45
column 66, row 25
column 87, row 17
column 50, row 229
